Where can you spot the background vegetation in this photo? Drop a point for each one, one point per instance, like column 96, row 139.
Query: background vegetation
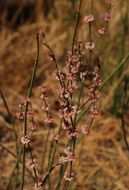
column 102, row 161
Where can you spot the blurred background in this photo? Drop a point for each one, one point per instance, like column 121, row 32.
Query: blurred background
column 104, row 161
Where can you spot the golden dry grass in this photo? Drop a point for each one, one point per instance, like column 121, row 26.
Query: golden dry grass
column 102, row 161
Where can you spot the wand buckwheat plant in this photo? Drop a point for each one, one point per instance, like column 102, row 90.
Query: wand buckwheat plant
column 79, row 83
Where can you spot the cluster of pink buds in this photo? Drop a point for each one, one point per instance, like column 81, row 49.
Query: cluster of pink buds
column 55, row 137
column 25, row 139
column 21, row 105
column 73, row 63
column 94, row 93
column 31, row 163
column 66, row 125
column 45, row 106
column 32, row 124
column 94, row 112
column 90, row 45
column 107, row 17
column 59, row 75
column 101, row 31
column 68, row 176
column 89, row 18
column 66, row 111
column 20, row 115
column 38, row 185
column 70, row 157
column 72, row 133
column 85, row 130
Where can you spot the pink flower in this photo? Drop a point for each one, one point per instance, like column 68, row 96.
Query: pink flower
column 90, row 45
column 25, row 139
column 20, row 115
column 66, row 125
column 49, row 119
column 94, row 112
column 68, row 176
column 85, row 130
column 89, row 18
column 33, row 126
column 31, row 163
column 69, row 158
column 45, row 107
column 55, row 137
column 58, row 75
column 72, row 134
column 107, row 17
column 22, row 103
column 38, row 186
column 101, row 31
column 31, row 114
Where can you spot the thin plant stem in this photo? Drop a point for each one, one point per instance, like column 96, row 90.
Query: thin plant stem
column 45, row 150
column 78, row 103
column 55, row 147
column 5, row 104
column 49, row 172
column 26, row 107
column 9, row 151
column 76, row 25
column 11, row 176
column 15, row 156
column 62, row 171
column 114, row 72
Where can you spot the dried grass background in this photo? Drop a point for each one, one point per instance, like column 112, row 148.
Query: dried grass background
column 102, row 159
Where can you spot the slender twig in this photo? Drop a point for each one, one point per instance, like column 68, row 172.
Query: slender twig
column 26, row 107
column 13, row 171
column 76, row 25
column 45, row 150
column 49, row 172
column 78, row 103
column 6, row 105
column 114, row 72
column 9, row 151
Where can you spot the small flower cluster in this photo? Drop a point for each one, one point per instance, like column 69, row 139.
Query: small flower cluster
column 70, row 157
column 68, row 176
column 31, row 163
column 38, row 185
column 25, row 139
column 94, row 93
column 21, row 105
column 90, row 45
column 107, row 17
column 89, row 18
column 45, row 106
column 101, row 31
column 73, row 63
column 59, row 75
column 55, row 137
column 32, row 124
column 29, row 117
column 85, row 130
